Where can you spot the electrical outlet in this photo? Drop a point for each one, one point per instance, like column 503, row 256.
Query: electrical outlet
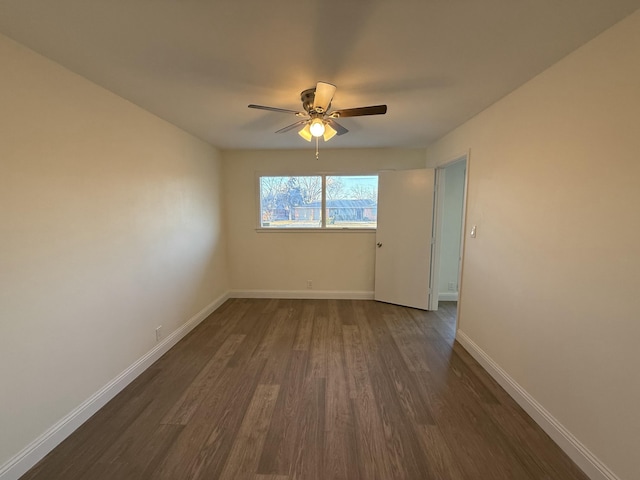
column 309, row 284
column 452, row 286
column 159, row 333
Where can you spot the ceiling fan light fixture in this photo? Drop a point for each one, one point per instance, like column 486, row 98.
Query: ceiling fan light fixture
column 329, row 132
column 317, row 127
column 306, row 133
column 318, row 120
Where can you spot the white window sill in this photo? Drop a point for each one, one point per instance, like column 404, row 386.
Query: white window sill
column 315, row 230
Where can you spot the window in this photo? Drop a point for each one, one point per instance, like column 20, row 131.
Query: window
column 319, row 201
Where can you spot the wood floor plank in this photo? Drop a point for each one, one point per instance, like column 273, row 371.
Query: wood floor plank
column 389, row 359
column 282, row 389
column 318, row 350
column 466, row 428
column 76, row 454
column 276, row 346
column 204, row 444
column 442, row 462
column 338, row 415
column 356, row 367
column 243, row 460
column 191, row 399
column 406, row 461
column 460, row 435
column 297, row 425
column 305, row 327
column 254, row 324
column 340, row 440
column 135, row 455
column 407, row 338
column 201, row 449
column 277, row 456
column 369, row 431
column 308, row 462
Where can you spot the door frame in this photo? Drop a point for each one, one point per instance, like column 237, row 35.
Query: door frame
column 436, row 238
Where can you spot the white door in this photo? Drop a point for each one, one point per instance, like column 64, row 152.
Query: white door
column 403, row 238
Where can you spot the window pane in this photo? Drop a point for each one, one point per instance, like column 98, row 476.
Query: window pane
column 291, row 202
column 352, row 201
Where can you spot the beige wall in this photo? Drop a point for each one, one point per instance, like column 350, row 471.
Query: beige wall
column 284, row 261
column 550, row 284
column 110, row 225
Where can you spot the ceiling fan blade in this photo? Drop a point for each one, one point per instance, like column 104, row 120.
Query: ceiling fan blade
column 340, row 130
column 324, row 95
column 275, row 109
column 292, row 126
column 360, row 111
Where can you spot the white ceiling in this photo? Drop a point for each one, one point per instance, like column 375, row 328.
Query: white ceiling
column 199, row 63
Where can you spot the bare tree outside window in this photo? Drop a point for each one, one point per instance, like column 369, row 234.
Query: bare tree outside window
column 351, row 201
column 363, row 192
column 354, row 204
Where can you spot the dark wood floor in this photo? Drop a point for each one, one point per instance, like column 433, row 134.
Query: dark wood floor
column 312, row 389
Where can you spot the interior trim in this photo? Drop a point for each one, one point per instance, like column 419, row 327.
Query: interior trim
column 20, row 463
column 591, row 465
column 448, row 297
column 303, row 294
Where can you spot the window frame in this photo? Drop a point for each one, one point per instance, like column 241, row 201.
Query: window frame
column 323, row 227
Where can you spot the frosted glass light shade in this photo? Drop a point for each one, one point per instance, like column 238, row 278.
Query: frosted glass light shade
column 306, row 133
column 317, row 127
column 329, row 132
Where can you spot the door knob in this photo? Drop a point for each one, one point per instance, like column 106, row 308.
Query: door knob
column 379, row 244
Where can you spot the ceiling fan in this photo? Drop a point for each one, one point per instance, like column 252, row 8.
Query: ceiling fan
column 317, row 121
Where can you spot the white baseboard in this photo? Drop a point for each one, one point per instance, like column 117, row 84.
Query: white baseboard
column 448, row 296
column 581, row 455
column 303, row 294
column 41, row 446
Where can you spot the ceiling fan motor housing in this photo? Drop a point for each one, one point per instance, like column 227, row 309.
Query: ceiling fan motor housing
column 316, row 102
column 308, row 97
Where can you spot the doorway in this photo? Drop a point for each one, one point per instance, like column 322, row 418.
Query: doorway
column 448, row 237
